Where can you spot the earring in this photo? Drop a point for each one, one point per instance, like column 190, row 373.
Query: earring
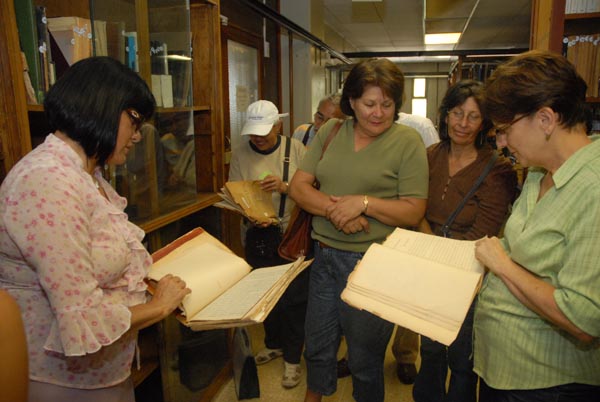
column 547, row 136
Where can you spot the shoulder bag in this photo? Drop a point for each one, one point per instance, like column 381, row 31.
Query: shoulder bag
column 296, row 239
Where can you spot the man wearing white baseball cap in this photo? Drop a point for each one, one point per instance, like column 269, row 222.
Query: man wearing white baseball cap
column 262, row 158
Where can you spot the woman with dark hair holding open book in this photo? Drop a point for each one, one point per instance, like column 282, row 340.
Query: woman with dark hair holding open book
column 470, row 190
column 68, row 254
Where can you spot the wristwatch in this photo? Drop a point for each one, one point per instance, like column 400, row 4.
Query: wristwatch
column 365, row 204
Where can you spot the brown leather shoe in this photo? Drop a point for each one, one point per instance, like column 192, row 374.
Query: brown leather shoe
column 342, row 368
column 406, row 373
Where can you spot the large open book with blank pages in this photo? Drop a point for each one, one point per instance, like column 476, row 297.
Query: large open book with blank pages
column 226, row 292
column 418, row 281
column 248, row 199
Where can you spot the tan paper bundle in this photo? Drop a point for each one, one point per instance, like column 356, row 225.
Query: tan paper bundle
column 247, row 198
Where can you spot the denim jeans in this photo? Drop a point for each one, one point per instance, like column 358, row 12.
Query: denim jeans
column 561, row 393
column 436, row 358
column 328, row 317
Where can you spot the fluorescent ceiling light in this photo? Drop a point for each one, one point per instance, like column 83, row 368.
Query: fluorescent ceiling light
column 443, row 38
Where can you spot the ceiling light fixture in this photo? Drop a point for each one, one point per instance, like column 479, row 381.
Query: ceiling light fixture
column 442, row 38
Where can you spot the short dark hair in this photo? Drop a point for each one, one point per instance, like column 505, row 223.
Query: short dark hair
column 87, row 101
column 532, row 80
column 378, row 72
column 458, row 94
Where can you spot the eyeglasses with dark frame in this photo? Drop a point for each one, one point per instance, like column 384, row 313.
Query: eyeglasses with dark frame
column 136, row 118
column 502, row 129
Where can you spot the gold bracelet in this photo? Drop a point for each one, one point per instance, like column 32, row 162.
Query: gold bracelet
column 365, row 204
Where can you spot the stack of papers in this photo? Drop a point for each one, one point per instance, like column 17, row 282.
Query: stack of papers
column 248, row 199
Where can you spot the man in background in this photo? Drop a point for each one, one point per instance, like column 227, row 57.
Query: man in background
column 328, row 107
column 423, row 125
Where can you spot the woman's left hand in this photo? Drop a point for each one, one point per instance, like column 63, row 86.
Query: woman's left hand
column 272, row 183
column 489, row 252
column 344, row 209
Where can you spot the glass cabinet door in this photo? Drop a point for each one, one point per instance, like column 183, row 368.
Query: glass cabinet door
column 154, row 39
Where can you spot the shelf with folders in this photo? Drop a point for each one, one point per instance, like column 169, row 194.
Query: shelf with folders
column 474, row 69
column 581, row 46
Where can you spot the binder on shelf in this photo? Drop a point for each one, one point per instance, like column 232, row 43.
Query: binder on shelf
column 100, row 42
column 131, row 50
column 115, row 45
column 156, row 89
column 158, row 57
column 28, row 38
column 29, row 91
column 166, row 90
column 72, row 38
column 44, row 48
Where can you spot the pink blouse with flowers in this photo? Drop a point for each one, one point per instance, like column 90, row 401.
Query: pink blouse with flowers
column 74, row 263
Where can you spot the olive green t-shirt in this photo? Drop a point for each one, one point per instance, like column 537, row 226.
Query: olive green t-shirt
column 394, row 165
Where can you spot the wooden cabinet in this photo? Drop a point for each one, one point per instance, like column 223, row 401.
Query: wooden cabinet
column 175, row 46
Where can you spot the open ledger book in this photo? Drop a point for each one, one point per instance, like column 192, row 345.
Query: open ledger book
column 225, row 291
column 422, row 282
column 247, row 198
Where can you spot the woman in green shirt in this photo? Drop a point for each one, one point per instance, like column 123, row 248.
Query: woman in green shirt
column 373, row 177
column 537, row 321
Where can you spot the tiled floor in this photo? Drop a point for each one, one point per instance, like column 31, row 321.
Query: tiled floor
column 271, row 390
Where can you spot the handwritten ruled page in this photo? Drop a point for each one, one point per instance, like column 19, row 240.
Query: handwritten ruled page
column 244, row 295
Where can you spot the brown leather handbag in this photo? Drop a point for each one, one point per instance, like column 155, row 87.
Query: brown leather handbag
column 296, row 239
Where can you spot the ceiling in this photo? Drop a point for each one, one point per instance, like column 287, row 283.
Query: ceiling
column 398, row 25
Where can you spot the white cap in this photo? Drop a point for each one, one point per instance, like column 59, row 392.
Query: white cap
column 260, row 117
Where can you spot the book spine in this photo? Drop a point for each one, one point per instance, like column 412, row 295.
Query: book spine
column 28, row 37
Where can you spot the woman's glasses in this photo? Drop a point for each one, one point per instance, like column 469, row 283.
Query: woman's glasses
column 136, row 118
column 500, row 130
column 459, row 115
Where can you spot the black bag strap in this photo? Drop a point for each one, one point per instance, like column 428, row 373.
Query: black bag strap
column 286, row 172
column 446, row 227
column 306, row 135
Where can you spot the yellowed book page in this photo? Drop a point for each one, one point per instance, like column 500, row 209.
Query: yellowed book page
column 241, row 297
column 456, row 253
column 413, row 292
column 208, row 269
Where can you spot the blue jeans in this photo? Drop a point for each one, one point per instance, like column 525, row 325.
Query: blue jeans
column 436, row 358
column 561, row 393
column 327, row 317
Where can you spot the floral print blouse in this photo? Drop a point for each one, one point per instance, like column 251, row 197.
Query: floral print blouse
column 74, row 263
